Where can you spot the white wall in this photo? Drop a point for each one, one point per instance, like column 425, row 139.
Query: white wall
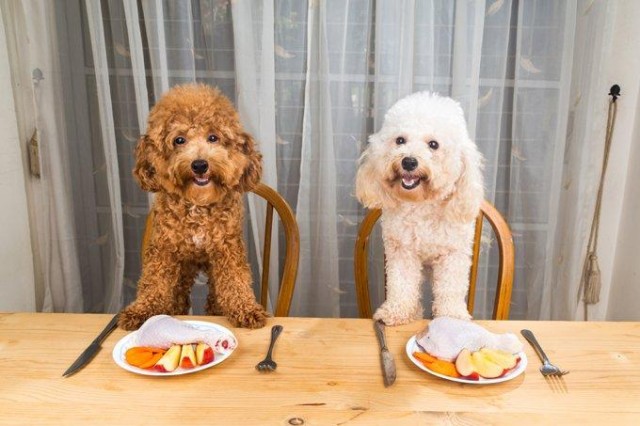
column 624, row 301
column 619, row 246
column 17, row 289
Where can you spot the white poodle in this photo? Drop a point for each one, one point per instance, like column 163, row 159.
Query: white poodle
column 424, row 172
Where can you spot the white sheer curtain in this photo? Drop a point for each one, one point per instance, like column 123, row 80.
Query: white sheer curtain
column 255, row 87
column 113, row 295
column 32, row 46
column 311, row 80
column 579, row 172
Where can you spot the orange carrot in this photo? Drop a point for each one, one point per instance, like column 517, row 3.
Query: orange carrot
column 424, row 357
column 137, row 358
column 444, row 367
column 152, row 361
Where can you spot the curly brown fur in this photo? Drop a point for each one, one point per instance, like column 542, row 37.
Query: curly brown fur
column 198, row 213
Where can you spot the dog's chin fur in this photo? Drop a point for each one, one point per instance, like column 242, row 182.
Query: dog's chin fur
column 204, row 195
column 197, row 216
column 432, row 221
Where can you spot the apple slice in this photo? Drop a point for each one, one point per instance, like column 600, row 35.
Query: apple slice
column 485, row 367
column 464, row 363
column 504, row 359
column 169, row 360
column 204, row 354
column 187, row 357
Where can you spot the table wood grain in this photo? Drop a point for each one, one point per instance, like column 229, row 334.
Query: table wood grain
column 328, row 373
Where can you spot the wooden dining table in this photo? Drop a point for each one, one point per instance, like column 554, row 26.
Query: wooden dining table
column 328, row 373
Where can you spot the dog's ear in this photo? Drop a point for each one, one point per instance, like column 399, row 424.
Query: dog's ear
column 144, row 170
column 253, row 171
column 368, row 189
column 464, row 203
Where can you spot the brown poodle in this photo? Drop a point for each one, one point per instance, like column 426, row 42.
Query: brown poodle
column 199, row 161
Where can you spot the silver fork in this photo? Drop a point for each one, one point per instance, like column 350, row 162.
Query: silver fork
column 268, row 364
column 547, row 369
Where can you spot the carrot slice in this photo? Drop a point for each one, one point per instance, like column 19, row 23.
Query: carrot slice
column 137, row 358
column 424, row 357
column 152, row 361
column 444, row 367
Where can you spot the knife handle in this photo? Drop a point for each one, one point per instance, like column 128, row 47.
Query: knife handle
column 379, row 327
column 107, row 330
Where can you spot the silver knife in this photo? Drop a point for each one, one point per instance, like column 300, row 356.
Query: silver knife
column 92, row 349
column 386, row 359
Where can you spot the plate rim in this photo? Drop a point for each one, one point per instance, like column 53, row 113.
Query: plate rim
column 120, row 347
column 517, row 371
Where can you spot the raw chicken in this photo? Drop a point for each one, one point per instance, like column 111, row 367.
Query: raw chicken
column 445, row 337
column 163, row 331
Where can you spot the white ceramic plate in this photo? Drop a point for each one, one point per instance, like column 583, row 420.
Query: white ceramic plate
column 128, row 341
column 412, row 347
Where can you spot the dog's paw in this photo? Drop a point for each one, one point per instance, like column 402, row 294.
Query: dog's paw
column 253, row 318
column 458, row 311
column 459, row 314
column 393, row 315
column 131, row 318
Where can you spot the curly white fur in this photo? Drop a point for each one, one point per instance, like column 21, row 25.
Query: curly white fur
column 428, row 204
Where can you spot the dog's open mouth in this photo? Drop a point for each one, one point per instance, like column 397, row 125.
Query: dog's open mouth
column 410, row 182
column 201, row 180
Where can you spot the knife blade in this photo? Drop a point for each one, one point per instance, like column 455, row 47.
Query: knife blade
column 87, row 355
column 386, row 359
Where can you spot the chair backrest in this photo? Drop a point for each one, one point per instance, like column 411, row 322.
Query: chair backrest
column 505, row 266
column 292, row 256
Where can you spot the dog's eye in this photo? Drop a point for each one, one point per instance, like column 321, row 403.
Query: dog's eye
column 179, row 140
column 400, row 140
column 212, row 138
column 434, row 145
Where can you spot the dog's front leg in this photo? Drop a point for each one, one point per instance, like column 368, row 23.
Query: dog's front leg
column 404, row 277
column 156, row 290
column 230, row 287
column 451, row 285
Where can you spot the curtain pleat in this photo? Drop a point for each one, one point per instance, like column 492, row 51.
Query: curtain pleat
column 113, row 294
column 155, row 24
column 317, row 294
column 255, row 100
column 138, row 69
column 38, row 95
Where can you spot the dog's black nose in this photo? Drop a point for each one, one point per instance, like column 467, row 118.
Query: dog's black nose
column 409, row 163
column 199, row 166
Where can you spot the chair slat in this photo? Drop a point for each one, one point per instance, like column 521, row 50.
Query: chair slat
column 361, row 265
column 473, row 274
column 292, row 241
column 506, row 266
column 266, row 256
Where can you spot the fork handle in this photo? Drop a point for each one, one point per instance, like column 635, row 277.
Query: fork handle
column 534, row 342
column 275, row 332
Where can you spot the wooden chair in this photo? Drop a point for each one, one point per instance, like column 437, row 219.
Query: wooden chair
column 292, row 237
column 505, row 272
